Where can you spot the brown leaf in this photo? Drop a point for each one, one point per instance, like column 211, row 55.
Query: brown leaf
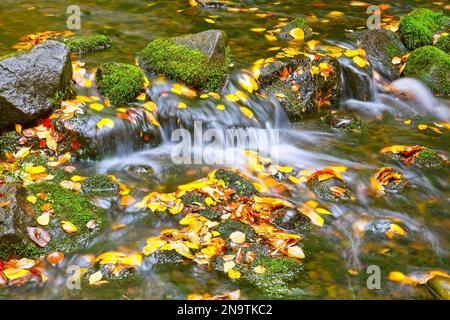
column 39, row 236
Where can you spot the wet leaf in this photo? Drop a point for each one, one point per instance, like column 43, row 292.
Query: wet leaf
column 237, row 237
column 105, row 122
column 55, row 257
column 44, row 219
column 68, row 227
column 297, row 34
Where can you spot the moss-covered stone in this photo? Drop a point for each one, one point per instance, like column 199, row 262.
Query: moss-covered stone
column 440, row 286
column 58, row 97
column 297, row 23
column 291, row 220
column 324, row 189
column 345, row 123
column 8, row 142
column 443, row 43
column 189, row 62
column 418, row 27
column 167, row 257
column 431, row 66
column 87, row 44
column 99, row 185
column 428, row 158
column 119, row 82
column 227, row 227
column 236, row 182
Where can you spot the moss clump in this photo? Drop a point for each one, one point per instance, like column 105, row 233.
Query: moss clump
column 8, row 142
column 9, row 55
column 292, row 220
column 428, row 158
column 185, row 64
column 443, row 43
column 37, row 159
column 86, row 44
column 324, row 189
column 192, row 197
column 19, row 249
column 119, row 82
column 227, row 227
column 99, row 185
column 418, row 27
column 289, row 100
column 58, row 97
column 68, row 206
column 170, row 257
column 234, row 181
column 431, row 66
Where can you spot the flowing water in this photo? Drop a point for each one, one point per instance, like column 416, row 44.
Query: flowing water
column 336, row 247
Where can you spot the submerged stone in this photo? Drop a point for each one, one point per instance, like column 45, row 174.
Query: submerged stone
column 443, row 43
column 216, row 4
column 86, row 44
column 199, row 60
column 431, row 66
column 119, row 82
column 291, row 220
column 419, row 26
column 227, row 227
column 19, row 218
column 28, row 82
column 299, row 23
column 325, row 189
column 428, row 158
column 99, row 185
column 345, row 123
column 440, row 286
column 305, row 88
column 234, row 181
column 381, row 46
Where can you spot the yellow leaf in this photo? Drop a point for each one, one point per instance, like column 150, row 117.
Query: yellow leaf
column 297, row 33
column 237, row 237
column 96, row 106
column 78, row 178
column 335, row 14
column 360, row 62
column 105, row 122
column 232, row 97
column 210, row 20
column 141, row 96
column 95, row 278
column 422, row 126
column 247, row 112
column 209, row 201
column 295, row 252
column 18, row 127
column 234, row 274
column 182, row 105
column 32, row 199
column 258, row 29
column 13, row 273
column 227, row 266
column 68, row 227
column 220, row 107
column 259, row 269
column 149, row 105
column 44, row 219
column 35, row 170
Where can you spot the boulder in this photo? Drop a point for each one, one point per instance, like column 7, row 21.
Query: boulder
column 418, row 28
column 86, row 44
column 381, row 46
column 216, row 4
column 29, row 81
column 440, row 286
column 199, row 60
column 431, row 66
column 443, row 43
column 302, row 86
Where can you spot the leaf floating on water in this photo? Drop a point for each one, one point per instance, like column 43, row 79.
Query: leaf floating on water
column 105, row 122
column 39, row 236
column 297, row 34
column 96, row 106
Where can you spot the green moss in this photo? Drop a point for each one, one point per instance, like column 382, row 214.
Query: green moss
column 9, row 55
column 99, row 185
column 165, row 257
column 185, row 64
column 227, row 227
column 431, row 66
column 86, row 44
column 234, row 181
column 192, row 197
column 119, row 82
column 8, row 141
column 428, row 158
column 443, row 43
column 21, row 249
column 323, row 189
column 37, row 159
column 297, row 23
column 58, row 97
column 292, row 220
column 289, row 100
column 418, row 28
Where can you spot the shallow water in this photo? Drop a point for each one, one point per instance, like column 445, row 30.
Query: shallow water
column 309, row 144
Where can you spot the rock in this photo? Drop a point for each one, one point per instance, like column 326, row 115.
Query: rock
column 345, row 122
column 428, row 158
column 306, row 88
column 86, row 44
column 8, row 142
column 28, row 82
column 234, row 181
column 440, row 286
column 199, row 60
column 324, row 189
column 100, row 186
column 119, row 82
column 227, row 227
column 381, row 46
column 216, row 4
column 431, row 66
column 443, row 43
column 419, row 26
column 18, row 219
column 300, row 23
column 357, row 83
column 93, row 142
column 291, row 220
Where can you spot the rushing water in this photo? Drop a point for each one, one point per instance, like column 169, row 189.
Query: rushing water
column 308, row 144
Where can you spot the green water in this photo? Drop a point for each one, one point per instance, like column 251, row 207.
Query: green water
column 334, row 250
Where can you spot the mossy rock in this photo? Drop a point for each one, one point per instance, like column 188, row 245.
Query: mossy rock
column 291, row 220
column 99, row 185
column 119, row 82
column 9, row 55
column 227, row 227
column 440, row 286
column 345, row 123
column 428, row 158
column 234, row 181
column 294, row 24
column 443, row 43
column 381, row 46
column 323, row 189
column 86, row 44
column 8, row 142
column 418, row 27
column 67, row 206
column 167, row 257
column 199, row 60
column 431, row 66
column 216, row 4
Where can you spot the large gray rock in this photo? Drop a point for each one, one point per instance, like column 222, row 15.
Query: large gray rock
column 29, row 81
column 301, row 86
column 381, row 46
